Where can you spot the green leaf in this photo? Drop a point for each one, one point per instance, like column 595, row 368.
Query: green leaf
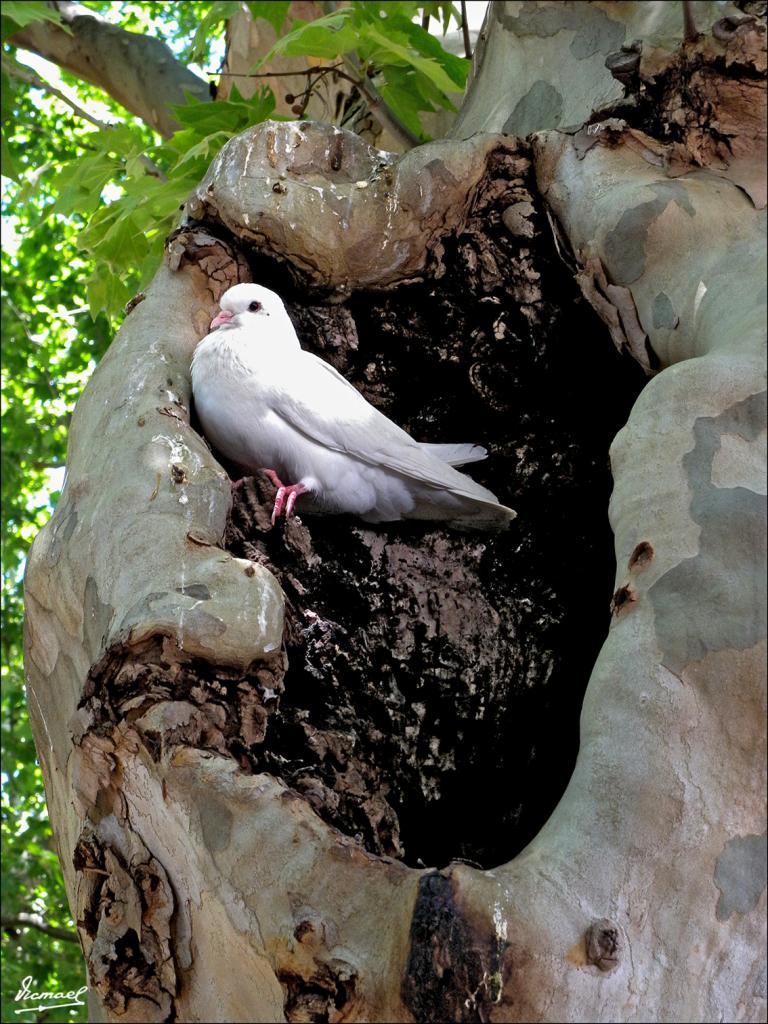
column 330, row 36
column 135, row 166
column 207, row 147
column 273, row 11
column 457, row 68
column 25, row 12
column 442, row 11
column 232, row 115
column 106, row 293
column 431, row 96
column 219, row 13
column 387, row 48
column 121, row 243
column 383, row 12
column 205, row 118
column 6, row 96
column 7, row 163
column 80, row 184
column 120, row 139
column 404, row 101
column 165, row 200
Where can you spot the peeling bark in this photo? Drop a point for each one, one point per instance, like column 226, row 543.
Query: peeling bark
column 706, row 99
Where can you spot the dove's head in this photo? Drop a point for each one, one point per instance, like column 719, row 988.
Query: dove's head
column 249, row 305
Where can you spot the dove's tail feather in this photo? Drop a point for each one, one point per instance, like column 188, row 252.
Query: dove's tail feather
column 465, row 513
column 469, row 506
column 479, row 514
column 456, row 454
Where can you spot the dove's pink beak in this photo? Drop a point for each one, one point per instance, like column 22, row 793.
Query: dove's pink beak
column 221, row 318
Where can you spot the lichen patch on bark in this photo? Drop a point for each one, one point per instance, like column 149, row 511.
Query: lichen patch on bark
column 740, row 875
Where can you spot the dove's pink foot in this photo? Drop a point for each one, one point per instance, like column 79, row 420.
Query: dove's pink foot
column 291, row 493
column 284, row 491
column 273, row 477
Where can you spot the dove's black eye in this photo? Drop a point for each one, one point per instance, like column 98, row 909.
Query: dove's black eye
column 254, row 307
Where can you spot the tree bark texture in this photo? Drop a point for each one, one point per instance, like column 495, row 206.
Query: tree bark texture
column 564, row 65
column 290, row 770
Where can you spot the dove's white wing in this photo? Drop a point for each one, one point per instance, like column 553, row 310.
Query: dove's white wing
column 324, row 407
column 456, row 454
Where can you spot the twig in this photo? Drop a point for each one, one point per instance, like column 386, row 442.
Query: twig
column 689, row 25
column 305, row 96
column 313, row 75
column 465, row 31
column 276, row 74
column 425, row 21
column 33, row 79
column 36, row 922
column 23, row 320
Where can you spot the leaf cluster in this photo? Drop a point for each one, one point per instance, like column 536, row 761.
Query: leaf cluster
column 128, row 186
column 125, row 237
column 412, row 72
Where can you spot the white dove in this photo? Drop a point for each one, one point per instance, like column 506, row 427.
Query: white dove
column 266, row 404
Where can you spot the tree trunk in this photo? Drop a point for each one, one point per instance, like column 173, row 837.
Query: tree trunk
column 310, row 773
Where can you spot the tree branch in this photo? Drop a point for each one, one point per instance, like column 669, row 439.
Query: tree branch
column 33, row 79
column 314, row 70
column 138, row 71
column 36, row 921
column 465, row 31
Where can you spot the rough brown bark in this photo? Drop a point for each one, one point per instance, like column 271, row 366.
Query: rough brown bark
column 429, row 669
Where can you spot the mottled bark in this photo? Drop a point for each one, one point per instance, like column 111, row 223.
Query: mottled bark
column 565, row 64
column 247, row 837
